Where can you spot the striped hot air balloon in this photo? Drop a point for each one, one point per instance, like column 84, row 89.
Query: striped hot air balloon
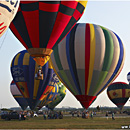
column 8, row 9
column 88, row 60
column 18, row 96
column 23, row 69
column 41, row 25
column 119, row 93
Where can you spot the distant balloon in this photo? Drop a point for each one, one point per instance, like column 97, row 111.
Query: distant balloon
column 23, row 69
column 88, row 60
column 128, row 77
column 18, row 96
column 119, row 93
column 41, row 25
column 59, row 97
column 50, row 97
column 8, row 9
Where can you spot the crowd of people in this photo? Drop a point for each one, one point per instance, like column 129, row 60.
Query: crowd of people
column 59, row 115
column 84, row 114
column 52, row 115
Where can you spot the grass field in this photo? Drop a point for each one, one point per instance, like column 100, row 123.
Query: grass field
column 66, row 123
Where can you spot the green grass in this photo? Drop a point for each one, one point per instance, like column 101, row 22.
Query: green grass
column 66, row 123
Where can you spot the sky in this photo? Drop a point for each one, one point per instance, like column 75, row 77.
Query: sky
column 114, row 15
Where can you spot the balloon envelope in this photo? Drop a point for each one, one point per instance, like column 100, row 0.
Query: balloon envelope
column 59, row 97
column 50, row 97
column 18, row 96
column 8, row 9
column 23, row 69
column 41, row 25
column 119, row 93
column 87, row 60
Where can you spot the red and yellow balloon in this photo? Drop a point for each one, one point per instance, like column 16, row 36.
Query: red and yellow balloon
column 41, row 25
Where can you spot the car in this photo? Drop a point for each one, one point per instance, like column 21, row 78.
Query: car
column 3, row 112
column 9, row 116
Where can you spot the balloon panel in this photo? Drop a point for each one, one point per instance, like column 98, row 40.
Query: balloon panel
column 18, row 96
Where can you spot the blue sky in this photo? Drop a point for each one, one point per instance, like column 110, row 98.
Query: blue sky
column 114, row 15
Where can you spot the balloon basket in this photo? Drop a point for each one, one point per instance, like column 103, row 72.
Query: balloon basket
column 39, row 74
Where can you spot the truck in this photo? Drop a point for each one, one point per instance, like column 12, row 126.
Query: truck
column 10, row 115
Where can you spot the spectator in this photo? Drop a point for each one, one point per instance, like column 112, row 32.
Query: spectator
column 77, row 113
column 113, row 116
column 91, row 115
column 20, row 116
column 107, row 115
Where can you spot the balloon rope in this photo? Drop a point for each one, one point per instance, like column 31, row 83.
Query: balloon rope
column 3, row 39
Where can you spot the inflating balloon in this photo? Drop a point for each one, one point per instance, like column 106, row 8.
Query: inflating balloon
column 23, row 69
column 18, row 96
column 59, row 97
column 87, row 60
column 8, row 9
column 119, row 93
column 41, row 25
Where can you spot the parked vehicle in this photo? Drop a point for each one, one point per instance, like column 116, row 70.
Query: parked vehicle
column 9, row 116
column 3, row 112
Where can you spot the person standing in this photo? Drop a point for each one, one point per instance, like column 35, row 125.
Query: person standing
column 92, row 114
column 20, row 116
column 113, row 116
column 107, row 115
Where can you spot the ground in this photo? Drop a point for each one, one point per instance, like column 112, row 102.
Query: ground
column 68, row 122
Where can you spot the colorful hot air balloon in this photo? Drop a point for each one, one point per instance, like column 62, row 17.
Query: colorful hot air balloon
column 41, row 25
column 23, row 69
column 50, row 97
column 119, row 93
column 18, row 96
column 59, row 97
column 88, row 60
column 8, row 9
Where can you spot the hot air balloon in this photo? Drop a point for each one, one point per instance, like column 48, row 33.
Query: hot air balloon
column 88, row 60
column 128, row 77
column 119, row 93
column 18, row 96
column 59, row 97
column 49, row 98
column 23, row 69
column 41, row 25
column 8, row 9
